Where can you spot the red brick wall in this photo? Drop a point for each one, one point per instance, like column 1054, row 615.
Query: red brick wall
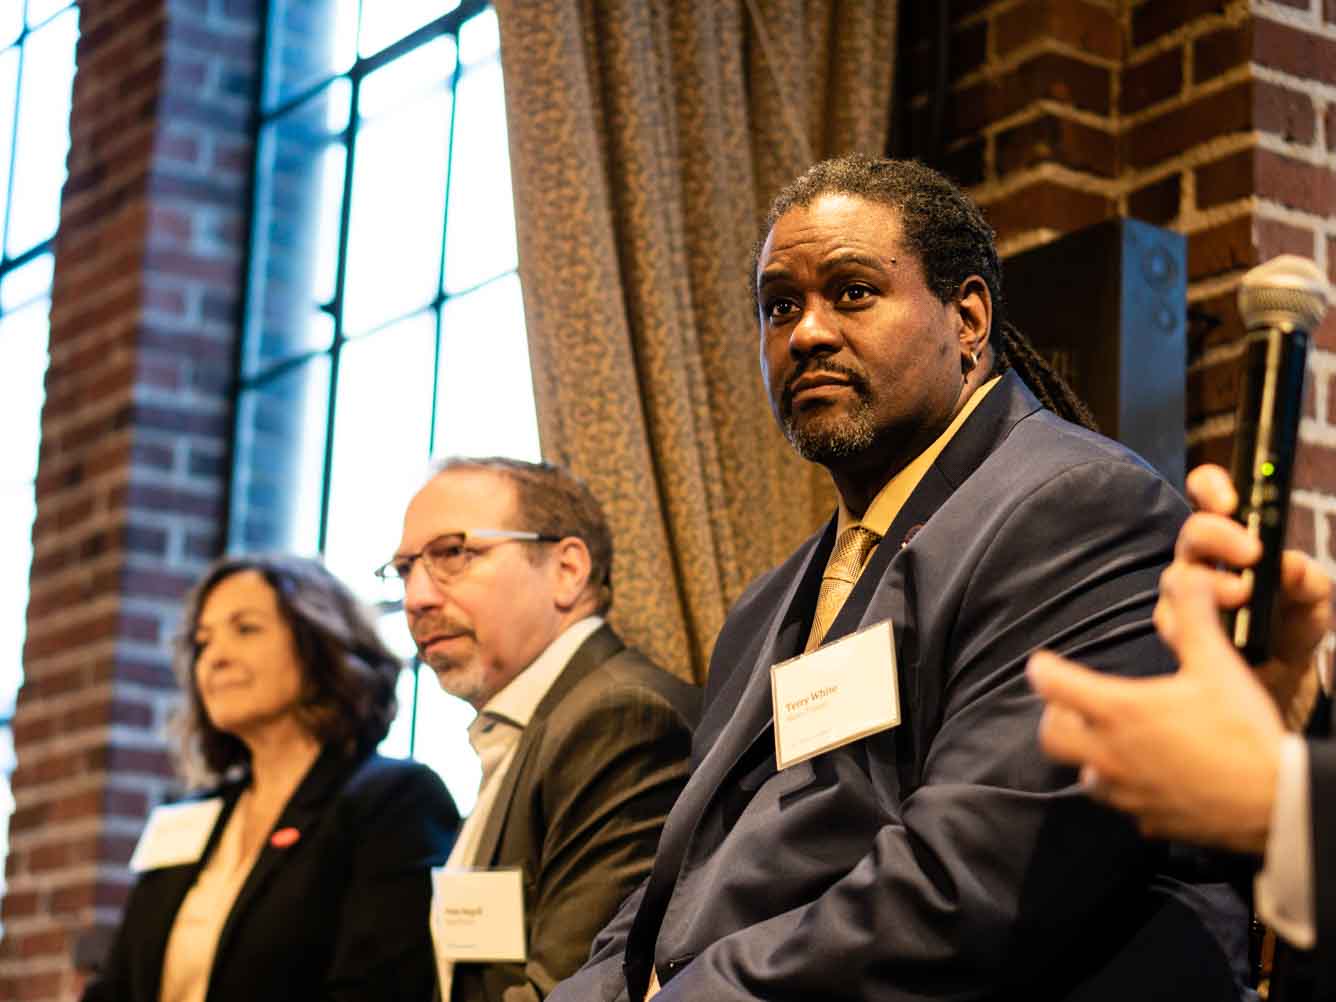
column 135, row 432
column 1294, row 173
column 1216, row 118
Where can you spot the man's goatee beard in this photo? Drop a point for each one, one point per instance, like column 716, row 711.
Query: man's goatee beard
column 824, row 441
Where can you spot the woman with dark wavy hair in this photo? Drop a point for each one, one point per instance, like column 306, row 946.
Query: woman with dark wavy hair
column 309, row 872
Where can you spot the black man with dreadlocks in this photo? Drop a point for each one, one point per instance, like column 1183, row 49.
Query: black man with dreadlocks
column 869, row 814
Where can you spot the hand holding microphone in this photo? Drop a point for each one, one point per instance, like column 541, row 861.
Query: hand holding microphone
column 1194, row 755
column 1282, row 303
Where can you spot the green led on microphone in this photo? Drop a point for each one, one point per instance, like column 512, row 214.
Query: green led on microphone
column 1268, row 468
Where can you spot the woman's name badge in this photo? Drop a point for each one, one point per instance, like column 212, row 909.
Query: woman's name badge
column 176, row 834
column 835, row 695
column 477, row 915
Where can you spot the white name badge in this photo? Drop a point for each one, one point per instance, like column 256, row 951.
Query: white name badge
column 176, row 834
column 835, row 694
column 477, row 915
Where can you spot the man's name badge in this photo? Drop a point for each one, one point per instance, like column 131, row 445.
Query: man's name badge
column 835, row 695
column 176, row 834
column 477, row 915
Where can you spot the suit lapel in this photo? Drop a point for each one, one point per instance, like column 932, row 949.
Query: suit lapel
column 602, row 644
column 785, row 637
column 885, row 588
column 741, row 709
column 974, row 441
column 308, row 801
column 992, row 421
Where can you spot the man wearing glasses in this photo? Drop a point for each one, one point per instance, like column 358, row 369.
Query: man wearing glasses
column 505, row 567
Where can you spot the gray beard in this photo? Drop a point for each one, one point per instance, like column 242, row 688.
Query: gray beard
column 826, row 440
column 466, row 681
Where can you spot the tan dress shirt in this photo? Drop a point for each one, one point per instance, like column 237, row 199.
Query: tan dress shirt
column 891, row 498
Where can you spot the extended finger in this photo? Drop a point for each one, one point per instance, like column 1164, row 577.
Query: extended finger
column 1210, row 489
column 1188, row 592
column 1209, row 538
column 1230, row 590
column 1303, row 610
column 1067, row 684
column 1120, row 793
column 1302, row 580
column 1066, row 736
column 1096, row 785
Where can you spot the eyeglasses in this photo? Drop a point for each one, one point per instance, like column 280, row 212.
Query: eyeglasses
column 449, row 555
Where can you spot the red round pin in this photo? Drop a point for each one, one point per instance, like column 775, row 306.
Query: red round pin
column 284, row 837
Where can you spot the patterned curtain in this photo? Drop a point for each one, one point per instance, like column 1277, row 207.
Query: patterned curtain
column 647, row 137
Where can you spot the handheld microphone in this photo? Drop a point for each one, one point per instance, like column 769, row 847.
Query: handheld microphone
column 1281, row 302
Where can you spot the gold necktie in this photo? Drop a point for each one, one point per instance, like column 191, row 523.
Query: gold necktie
column 851, row 550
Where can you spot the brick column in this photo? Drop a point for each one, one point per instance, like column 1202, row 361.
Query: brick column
column 1293, row 167
column 133, row 466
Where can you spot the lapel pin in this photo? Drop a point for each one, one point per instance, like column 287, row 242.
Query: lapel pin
column 284, row 837
column 913, row 531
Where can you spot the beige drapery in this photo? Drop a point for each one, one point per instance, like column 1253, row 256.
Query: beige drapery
column 647, row 137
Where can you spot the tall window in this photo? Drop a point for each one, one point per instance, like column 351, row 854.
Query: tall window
column 36, row 70
column 384, row 320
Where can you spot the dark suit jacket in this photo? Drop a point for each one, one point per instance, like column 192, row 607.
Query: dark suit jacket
column 1322, row 797
column 948, row 857
column 580, row 811
column 339, row 915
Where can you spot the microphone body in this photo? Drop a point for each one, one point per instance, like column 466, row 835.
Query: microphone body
column 1281, row 302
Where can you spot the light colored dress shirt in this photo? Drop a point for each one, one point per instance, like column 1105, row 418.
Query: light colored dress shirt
column 495, row 735
column 188, row 960
column 1283, row 889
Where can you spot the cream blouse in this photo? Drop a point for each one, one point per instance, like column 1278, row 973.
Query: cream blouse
column 188, row 961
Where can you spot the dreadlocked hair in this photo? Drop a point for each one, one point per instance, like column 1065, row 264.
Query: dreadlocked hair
column 1013, row 350
column 948, row 234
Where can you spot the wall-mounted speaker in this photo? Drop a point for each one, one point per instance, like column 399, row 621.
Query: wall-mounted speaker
column 1107, row 307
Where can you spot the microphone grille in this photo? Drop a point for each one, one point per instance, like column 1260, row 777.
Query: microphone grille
column 1288, row 287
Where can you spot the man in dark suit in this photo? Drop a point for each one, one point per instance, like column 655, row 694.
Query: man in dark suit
column 942, row 856
column 506, row 571
column 1204, row 754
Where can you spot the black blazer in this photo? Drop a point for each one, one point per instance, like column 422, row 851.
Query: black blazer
column 580, row 810
column 339, row 915
column 947, row 858
column 1322, row 798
